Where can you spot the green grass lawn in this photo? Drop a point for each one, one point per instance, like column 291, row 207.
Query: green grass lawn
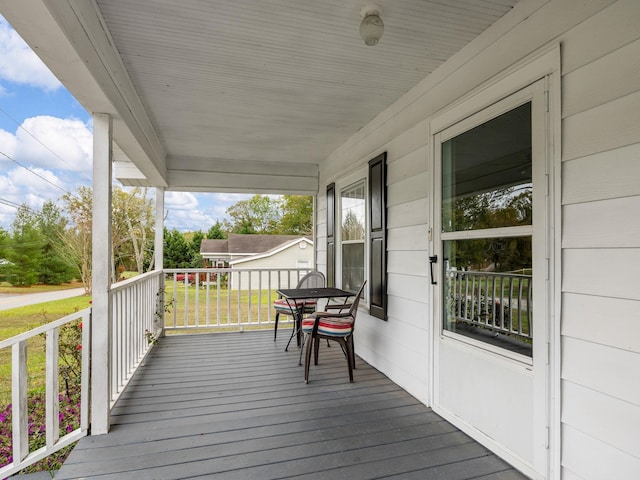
column 228, row 306
column 19, row 320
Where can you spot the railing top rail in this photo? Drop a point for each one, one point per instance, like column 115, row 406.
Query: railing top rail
column 489, row 274
column 44, row 328
column 133, row 280
column 224, row 270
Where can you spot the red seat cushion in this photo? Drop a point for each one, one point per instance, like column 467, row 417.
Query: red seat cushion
column 282, row 306
column 330, row 326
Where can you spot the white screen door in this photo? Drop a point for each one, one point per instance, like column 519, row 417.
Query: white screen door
column 490, row 293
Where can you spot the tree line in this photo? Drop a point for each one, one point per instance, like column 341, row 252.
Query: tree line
column 505, row 207
column 53, row 245
column 258, row 215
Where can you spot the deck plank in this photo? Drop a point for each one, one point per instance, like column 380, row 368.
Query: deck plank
column 234, row 406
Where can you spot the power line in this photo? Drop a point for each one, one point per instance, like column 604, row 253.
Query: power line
column 37, row 174
column 34, row 137
column 15, row 205
column 9, row 203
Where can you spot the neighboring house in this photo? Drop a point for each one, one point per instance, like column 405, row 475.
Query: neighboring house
column 279, row 253
column 541, row 98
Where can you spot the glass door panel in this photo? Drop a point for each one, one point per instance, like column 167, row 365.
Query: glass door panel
column 487, row 189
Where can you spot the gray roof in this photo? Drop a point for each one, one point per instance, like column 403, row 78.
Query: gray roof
column 214, row 246
column 246, row 244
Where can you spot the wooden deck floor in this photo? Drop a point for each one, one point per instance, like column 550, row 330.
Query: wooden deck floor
column 235, row 406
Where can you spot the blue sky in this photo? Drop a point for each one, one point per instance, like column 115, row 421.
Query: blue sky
column 43, row 128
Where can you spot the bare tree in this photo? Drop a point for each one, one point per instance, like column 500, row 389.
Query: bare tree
column 132, row 224
column 77, row 238
column 139, row 221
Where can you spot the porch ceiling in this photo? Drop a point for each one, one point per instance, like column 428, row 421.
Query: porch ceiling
column 240, row 95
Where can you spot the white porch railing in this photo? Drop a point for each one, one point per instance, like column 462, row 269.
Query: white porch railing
column 499, row 302
column 136, row 321
column 225, row 298
column 22, row 456
column 219, row 299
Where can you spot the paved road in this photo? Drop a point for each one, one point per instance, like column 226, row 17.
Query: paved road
column 8, row 301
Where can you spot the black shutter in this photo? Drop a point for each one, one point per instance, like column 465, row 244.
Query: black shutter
column 331, row 244
column 378, row 236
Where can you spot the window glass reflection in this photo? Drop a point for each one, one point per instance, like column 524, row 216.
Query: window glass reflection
column 486, row 174
column 352, row 223
column 488, row 290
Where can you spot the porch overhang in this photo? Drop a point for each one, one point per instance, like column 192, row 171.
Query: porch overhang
column 239, row 96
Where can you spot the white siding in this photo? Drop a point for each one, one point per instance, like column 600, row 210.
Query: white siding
column 601, row 246
column 600, row 238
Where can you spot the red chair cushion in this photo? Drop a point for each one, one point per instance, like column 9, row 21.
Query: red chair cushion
column 330, row 326
column 283, row 307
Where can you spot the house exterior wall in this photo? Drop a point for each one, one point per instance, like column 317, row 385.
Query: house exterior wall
column 285, row 260
column 597, row 353
column 600, row 318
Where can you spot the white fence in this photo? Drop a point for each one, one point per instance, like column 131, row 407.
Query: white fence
column 22, row 457
column 141, row 308
column 225, row 298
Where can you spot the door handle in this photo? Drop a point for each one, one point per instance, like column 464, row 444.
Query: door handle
column 433, row 259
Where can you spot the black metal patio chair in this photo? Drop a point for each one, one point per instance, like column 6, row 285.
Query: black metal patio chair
column 338, row 327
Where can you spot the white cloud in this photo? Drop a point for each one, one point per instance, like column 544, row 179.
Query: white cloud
column 199, row 211
column 180, row 201
column 18, row 186
column 7, row 214
column 19, row 64
column 37, row 182
column 8, row 188
column 56, row 143
column 216, row 204
column 188, row 211
column 188, row 220
column 183, row 212
column 231, row 198
column 69, row 167
column 8, row 144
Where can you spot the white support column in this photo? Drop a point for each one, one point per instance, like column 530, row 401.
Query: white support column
column 158, row 250
column 101, row 275
column 159, row 238
column 314, row 230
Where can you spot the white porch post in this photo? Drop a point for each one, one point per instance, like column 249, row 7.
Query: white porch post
column 101, row 275
column 159, row 239
column 158, row 249
column 314, row 220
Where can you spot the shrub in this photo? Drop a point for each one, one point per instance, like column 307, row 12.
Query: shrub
column 70, row 354
column 69, row 418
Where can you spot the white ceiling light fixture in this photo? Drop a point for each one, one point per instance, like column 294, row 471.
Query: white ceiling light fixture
column 371, row 27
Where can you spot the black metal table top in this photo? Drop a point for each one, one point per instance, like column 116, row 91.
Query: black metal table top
column 317, row 292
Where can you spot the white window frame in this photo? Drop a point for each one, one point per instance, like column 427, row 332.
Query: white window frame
column 361, row 175
column 539, row 298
